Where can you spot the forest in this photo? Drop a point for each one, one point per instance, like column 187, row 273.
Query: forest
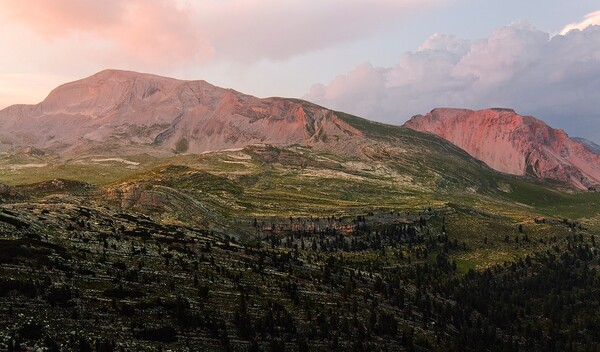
column 385, row 281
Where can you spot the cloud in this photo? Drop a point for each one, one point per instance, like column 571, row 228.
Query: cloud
column 14, row 88
column 142, row 32
column 365, row 86
column 589, row 20
column 279, row 30
column 159, row 33
column 60, row 17
column 554, row 78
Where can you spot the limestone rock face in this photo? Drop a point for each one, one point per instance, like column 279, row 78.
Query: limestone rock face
column 514, row 144
column 133, row 112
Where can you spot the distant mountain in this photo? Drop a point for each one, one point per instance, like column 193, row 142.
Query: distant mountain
column 588, row 144
column 126, row 111
column 514, row 144
column 121, row 113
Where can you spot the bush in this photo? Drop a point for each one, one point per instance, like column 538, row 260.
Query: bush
column 121, row 293
column 162, row 334
column 182, row 145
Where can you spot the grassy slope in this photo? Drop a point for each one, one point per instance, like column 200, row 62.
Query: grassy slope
column 409, row 171
column 434, row 173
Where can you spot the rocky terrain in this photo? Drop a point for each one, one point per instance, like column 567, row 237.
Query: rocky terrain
column 128, row 112
column 76, row 275
column 514, row 144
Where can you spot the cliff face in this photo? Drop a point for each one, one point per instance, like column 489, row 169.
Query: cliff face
column 514, row 144
column 128, row 110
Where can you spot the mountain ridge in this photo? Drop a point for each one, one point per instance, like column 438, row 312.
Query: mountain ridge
column 589, row 144
column 126, row 108
column 115, row 112
column 514, row 144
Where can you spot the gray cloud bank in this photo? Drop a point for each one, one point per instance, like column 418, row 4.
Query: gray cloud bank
column 555, row 78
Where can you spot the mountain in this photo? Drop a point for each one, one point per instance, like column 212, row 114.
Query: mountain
column 111, row 210
column 514, row 144
column 122, row 130
column 588, row 144
column 118, row 113
column 126, row 111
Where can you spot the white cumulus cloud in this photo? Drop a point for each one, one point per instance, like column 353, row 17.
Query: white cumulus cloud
column 589, row 20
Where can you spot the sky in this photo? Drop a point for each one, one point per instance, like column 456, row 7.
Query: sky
column 386, row 60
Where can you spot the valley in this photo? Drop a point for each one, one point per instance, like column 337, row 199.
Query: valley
column 278, row 225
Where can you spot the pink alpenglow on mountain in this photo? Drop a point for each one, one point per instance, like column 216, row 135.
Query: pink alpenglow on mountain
column 514, row 144
column 128, row 112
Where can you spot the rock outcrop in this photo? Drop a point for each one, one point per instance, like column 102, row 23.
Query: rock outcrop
column 514, row 144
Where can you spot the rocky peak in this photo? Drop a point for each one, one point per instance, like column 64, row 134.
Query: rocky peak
column 124, row 110
column 514, row 144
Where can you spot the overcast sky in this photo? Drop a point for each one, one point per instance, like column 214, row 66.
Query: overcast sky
column 382, row 59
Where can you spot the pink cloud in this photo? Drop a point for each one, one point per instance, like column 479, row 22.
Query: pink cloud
column 174, row 32
column 145, row 32
column 365, row 85
column 56, row 18
column 16, row 88
column 508, row 50
column 278, row 30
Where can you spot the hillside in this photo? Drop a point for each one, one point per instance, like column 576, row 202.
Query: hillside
column 129, row 112
column 122, row 113
column 514, row 144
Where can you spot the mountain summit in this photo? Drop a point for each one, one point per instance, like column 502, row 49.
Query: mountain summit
column 514, row 144
column 120, row 113
column 124, row 110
